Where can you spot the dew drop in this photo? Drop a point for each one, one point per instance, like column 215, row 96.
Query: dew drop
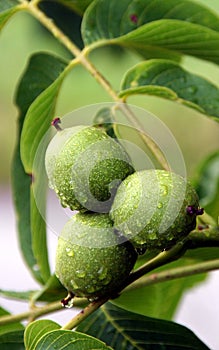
column 80, row 273
column 164, row 190
column 36, row 267
column 90, row 289
column 106, row 280
column 134, row 83
column 69, row 251
column 102, row 273
column 74, row 284
column 93, row 299
column 192, row 89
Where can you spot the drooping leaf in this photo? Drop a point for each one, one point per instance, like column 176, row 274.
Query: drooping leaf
column 41, row 72
column 77, row 5
column 124, row 330
column 36, row 330
column 12, row 340
column 65, row 18
column 207, row 184
column 11, row 327
column 69, row 340
column 38, row 118
column 165, row 78
column 154, row 28
column 17, row 295
column 7, row 9
column 52, row 290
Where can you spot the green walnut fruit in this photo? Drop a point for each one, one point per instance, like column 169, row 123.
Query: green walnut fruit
column 91, row 259
column 85, row 166
column 155, row 209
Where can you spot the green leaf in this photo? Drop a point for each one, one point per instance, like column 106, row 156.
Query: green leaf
column 11, row 327
column 12, row 341
column 104, row 119
column 17, row 295
column 207, row 184
column 41, row 72
column 154, row 28
column 167, row 79
column 52, row 291
column 7, row 9
column 68, row 340
column 77, row 5
column 36, row 330
column 39, row 116
column 45, row 334
column 65, row 18
column 123, row 330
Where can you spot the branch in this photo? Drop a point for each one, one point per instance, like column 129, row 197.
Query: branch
column 83, row 314
column 175, row 273
column 36, row 312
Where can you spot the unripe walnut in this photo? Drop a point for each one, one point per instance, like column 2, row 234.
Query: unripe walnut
column 91, row 259
column 155, row 208
column 85, row 166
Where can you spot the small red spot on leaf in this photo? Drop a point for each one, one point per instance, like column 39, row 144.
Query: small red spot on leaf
column 134, row 18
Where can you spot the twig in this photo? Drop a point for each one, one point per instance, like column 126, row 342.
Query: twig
column 36, row 312
column 174, row 273
column 83, row 314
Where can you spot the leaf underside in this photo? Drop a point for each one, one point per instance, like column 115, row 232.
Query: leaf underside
column 124, row 330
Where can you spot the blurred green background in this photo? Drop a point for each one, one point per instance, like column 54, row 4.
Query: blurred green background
column 196, row 134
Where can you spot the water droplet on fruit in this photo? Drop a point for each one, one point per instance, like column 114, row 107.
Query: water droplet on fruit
column 69, row 251
column 80, row 273
column 102, row 273
column 106, row 280
column 93, row 299
column 90, row 289
column 74, row 284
